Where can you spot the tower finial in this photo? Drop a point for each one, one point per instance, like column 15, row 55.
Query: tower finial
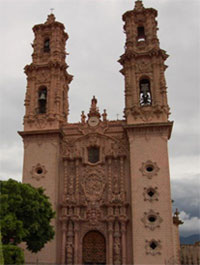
column 139, row 5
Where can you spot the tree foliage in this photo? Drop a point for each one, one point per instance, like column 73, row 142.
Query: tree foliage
column 13, row 255
column 25, row 215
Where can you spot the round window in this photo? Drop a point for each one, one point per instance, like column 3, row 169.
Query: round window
column 149, row 168
column 39, row 170
column 152, row 218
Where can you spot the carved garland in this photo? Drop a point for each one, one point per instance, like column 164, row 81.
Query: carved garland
column 151, row 219
column 149, row 169
column 38, row 171
column 153, row 247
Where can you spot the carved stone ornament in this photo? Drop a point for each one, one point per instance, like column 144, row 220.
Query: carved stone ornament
column 147, row 113
column 151, row 219
column 38, row 171
column 149, row 169
column 144, row 67
column 93, row 186
column 153, row 247
column 150, row 194
column 93, row 215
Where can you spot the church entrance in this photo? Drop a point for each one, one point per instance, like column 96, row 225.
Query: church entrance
column 94, row 249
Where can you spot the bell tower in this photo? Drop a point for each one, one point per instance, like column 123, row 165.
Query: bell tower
column 46, row 112
column 143, row 68
column 148, row 129
column 46, row 99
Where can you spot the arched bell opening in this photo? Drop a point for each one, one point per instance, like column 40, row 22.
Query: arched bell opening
column 94, row 248
column 46, row 46
column 141, row 34
column 145, row 92
column 42, row 100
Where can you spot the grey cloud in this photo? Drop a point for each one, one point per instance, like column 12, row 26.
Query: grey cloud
column 186, row 195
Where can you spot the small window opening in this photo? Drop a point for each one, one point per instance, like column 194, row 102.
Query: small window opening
column 145, row 92
column 153, row 245
column 42, row 100
column 141, row 34
column 47, row 45
column 93, row 154
column 39, row 170
column 151, row 193
column 152, row 219
column 149, row 168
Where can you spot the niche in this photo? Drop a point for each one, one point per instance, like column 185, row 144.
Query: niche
column 145, row 92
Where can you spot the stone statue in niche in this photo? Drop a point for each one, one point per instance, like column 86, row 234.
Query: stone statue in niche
column 93, row 215
column 117, row 258
column 69, row 250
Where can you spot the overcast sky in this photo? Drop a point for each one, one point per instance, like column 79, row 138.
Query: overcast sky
column 96, row 41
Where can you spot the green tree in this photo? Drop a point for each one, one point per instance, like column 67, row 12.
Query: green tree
column 25, row 215
column 13, row 255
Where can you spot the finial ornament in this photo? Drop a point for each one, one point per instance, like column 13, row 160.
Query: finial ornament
column 139, row 5
column 94, row 110
column 176, row 219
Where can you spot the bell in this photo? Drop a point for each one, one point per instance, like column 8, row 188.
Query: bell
column 42, row 96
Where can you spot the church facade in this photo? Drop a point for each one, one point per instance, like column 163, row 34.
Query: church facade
column 108, row 181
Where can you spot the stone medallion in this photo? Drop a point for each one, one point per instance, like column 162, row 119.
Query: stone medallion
column 93, row 186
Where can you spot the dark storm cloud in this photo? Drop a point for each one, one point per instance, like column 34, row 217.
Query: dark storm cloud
column 186, row 195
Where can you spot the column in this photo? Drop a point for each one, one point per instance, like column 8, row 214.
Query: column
column 64, row 234
column 122, row 178
column 76, row 241
column 65, row 179
column 123, row 233
column 77, row 180
column 109, row 180
column 110, row 243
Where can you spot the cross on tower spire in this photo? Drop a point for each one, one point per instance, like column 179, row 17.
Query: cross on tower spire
column 52, row 9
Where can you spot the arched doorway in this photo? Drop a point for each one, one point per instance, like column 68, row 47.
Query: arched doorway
column 94, row 248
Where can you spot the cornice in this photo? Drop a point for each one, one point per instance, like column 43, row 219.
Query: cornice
column 132, row 13
column 144, row 126
column 40, row 132
column 49, row 26
column 128, row 55
column 32, row 66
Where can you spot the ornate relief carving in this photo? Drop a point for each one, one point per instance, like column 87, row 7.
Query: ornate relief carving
column 117, row 245
column 147, row 113
column 151, row 219
column 93, row 215
column 149, row 169
column 93, row 186
column 38, row 171
column 143, row 67
column 70, row 243
column 153, row 247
